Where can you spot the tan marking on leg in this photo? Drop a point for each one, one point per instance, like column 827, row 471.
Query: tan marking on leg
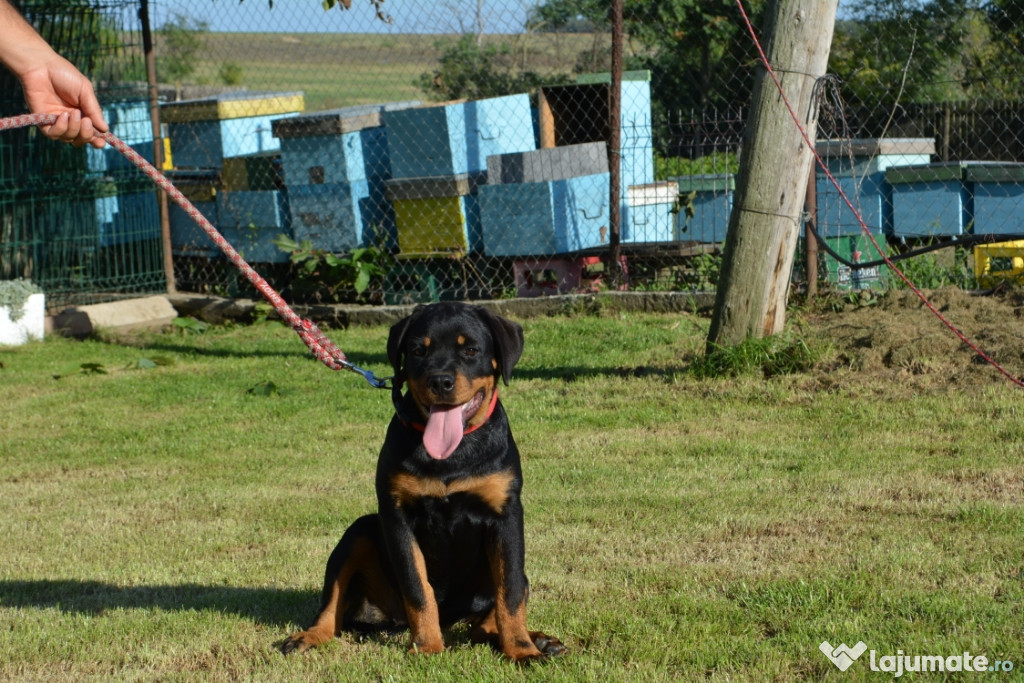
column 424, row 622
column 328, row 623
column 513, row 638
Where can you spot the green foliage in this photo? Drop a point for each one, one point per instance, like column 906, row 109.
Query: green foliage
column 231, row 73
column 470, row 70
column 332, row 277
column 935, row 270
column 712, row 164
column 694, row 48
column 955, row 49
column 179, row 47
column 190, row 325
column 13, row 296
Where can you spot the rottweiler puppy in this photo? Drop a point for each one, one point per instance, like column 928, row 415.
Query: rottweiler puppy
column 446, row 544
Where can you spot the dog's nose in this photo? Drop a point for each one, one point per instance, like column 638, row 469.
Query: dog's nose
column 441, row 384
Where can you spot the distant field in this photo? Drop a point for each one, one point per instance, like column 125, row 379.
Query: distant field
column 335, row 70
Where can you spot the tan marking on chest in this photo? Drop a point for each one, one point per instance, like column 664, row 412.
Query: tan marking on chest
column 492, row 489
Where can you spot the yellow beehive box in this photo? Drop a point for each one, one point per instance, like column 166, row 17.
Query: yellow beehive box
column 437, row 214
column 999, row 262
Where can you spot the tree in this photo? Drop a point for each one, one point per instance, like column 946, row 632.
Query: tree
column 934, row 51
column 472, row 71
column 695, row 49
column 180, row 42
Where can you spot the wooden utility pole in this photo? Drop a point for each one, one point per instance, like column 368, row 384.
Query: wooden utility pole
column 769, row 200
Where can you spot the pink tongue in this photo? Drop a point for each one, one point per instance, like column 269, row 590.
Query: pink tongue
column 443, row 432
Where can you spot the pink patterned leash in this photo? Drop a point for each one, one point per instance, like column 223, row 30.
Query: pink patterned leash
column 323, row 348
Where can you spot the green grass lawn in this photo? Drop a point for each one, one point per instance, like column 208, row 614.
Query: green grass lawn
column 164, row 519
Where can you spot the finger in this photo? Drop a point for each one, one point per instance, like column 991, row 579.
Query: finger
column 56, row 129
column 74, row 128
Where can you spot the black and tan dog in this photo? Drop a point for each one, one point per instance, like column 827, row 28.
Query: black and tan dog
column 446, row 544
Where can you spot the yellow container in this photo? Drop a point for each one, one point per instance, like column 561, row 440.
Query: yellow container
column 234, row 105
column 437, row 215
column 999, row 262
column 431, row 225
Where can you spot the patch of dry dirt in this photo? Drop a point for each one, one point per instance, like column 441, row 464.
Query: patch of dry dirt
column 895, row 335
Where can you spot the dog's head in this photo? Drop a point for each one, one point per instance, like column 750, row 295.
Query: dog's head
column 451, row 355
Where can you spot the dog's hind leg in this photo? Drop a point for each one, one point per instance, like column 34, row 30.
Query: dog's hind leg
column 354, row 577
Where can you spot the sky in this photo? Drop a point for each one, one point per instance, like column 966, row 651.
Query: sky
column 308, row 16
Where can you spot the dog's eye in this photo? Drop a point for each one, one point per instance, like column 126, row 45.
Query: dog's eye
column 470, row 351
column 419, row 351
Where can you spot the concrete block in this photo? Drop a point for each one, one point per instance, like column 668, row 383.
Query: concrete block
column 147, row 312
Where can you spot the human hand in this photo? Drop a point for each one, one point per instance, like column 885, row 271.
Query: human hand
column 57, row 87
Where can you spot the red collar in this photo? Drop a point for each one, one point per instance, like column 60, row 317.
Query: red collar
column 419, row 426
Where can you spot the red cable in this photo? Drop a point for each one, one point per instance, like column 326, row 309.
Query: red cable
column 864, row 228
column 322, row 347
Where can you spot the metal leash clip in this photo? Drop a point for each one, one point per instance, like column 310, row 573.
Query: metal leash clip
column 375, row 382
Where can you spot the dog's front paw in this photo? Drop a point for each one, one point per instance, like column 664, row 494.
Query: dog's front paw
column 549, row 646
column 302, row 641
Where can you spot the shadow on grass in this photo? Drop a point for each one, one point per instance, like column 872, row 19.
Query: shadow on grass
column 277, row 607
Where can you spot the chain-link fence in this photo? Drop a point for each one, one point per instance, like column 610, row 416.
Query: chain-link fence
column 407, row 152
column 82, row 223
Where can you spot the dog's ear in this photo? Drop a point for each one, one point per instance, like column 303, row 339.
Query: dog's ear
column 396, row 340
column 508, row 340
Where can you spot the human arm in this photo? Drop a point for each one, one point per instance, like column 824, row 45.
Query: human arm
column 51, row 83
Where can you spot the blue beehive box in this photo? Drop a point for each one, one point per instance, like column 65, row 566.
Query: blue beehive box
column 336, row 217
column 205, row 131
column 578, row 113
column 647, row 213
column 712, row 205
column 359, row 155
column 997, row 190
column 859, row 167
column 453, row 139
column 125, row 216
column 201, row 188
column 554, row 217
column 250, row 220
column 929, row 200
column 131, row 122
column 336, row 145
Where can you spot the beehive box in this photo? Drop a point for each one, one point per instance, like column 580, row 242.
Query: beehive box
column 201, row 188
column 552, row 163
column 712, row 206
column 647, row 213
column 205, row 131
column 131, row 122
column 859, row 167
column 337, row 145
column 251, row 220
column 457, row 138
column 438, row 214
column 336, row 217
column 929, row 200
column 123, row 212
column 998, row 263
column 253, row 172
column 997, row 190
column 554, row 217
column 578, row 113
